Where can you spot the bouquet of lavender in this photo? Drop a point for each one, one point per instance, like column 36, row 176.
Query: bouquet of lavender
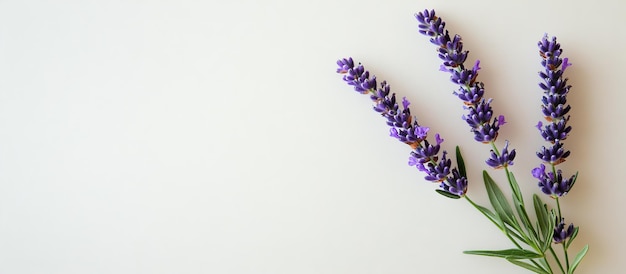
column 534, row 240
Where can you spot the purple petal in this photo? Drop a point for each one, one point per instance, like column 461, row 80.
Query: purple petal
column 476, row 66
column 501, row 120
column 405, row 103
column 413, row 161
column 538, row 172
column 565, row 64
column 438, row 139
column 393, row 132
column 421, row 132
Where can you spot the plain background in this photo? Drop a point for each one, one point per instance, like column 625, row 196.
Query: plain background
column 216, row 137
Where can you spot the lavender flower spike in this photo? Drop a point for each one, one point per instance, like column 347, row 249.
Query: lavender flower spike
column 553, row 184
column 404, row 127
column 484, row 124
column 555, row 110
column 455, row 184
column 562, row 233
column 503, row 160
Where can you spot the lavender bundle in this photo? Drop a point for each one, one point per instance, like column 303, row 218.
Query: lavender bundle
column 534, row 241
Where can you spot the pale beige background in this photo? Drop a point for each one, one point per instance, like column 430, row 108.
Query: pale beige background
column 215, row 136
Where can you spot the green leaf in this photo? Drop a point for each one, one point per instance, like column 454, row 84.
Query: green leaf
column 579, row 257
column 517, row 193
column 507, row 253
column 460, row 163
column 517, row 234
column 550, row 232
column 492, row 217
column 571, row 238
column 498, row 201
column 545, row 221
column 532, row 234
column 528, row 266
column 447, row 194
column 544, row 265
column 521, row 211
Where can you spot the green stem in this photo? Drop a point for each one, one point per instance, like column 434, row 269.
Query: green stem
column 560, row 216
column 502, row 228
column 558, row 206
column 478, row 208
column 514, row 187
column 566, row 256
column 556, row 258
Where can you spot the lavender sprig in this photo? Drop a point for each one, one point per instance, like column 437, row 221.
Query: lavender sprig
column 480, row 118
column 533, row 240
column 405, row 128
column 555, row 109
column 485, row 126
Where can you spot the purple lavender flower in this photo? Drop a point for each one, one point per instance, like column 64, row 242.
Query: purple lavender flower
column 437, row 171
column 479, row 115
column 539, row 172
column 555, row 110
column 455, row 184
column 553, row 155
column 345, row 65
column 503, row 160
column 452, row 54
column 404, row 127
column 566, row 64
column 551, row 183
column 486, row 133
column 561, row 233
column 426, row 153
column 430, row 24
column 472, row 95
column 554, row 132
column 480, row 118
column 356, row 76
column 554, row 106
column 450, row 50
column 553, row 84
column 382, row 102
